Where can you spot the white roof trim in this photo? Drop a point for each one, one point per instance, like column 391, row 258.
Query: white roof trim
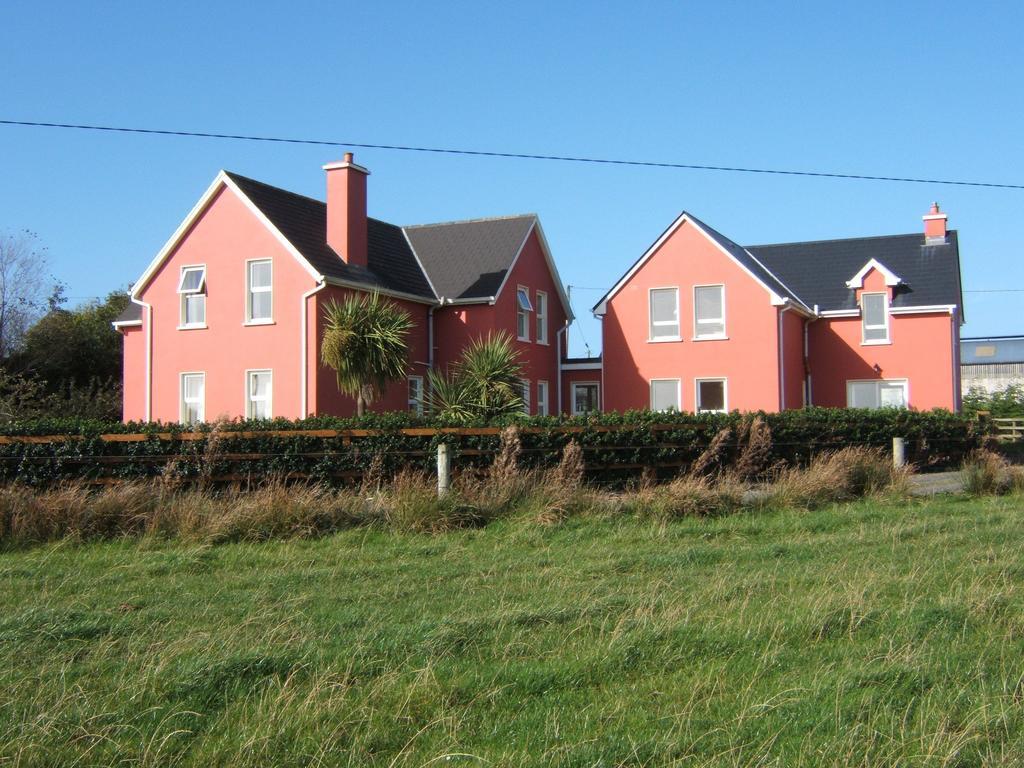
column 370, row 288
column 775, row 298
column 581, row 366
column 125, row 323
column 891, row 278
column 840, row 313
column 221, row 180
column 419, row 264
column 923, row 309
column 547, row 258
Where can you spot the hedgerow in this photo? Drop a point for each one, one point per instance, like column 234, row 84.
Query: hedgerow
column 616, row 446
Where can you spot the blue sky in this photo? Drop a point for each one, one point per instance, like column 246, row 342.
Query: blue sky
column 910, row 89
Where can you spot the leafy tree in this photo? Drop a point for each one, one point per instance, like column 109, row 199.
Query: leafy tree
column 365, row 342
column 25, row 289
column 1004, row 403
column 485, row 383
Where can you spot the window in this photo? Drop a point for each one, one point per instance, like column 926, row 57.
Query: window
column 585, row 398
column 874, row 316
column 259, row 390
column 542, row 317
column 259, row 293
column 192, row 288
column 665, row 395
column 416, row 394
column 542, row 398
column 523, row 310
column 664, row 314
column 711, row 396
column 709, row 312
column 876, row 394
column 193, row 398
column 524, row 393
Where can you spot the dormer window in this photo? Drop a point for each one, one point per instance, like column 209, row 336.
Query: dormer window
column 192, row 289
column 874, row 317
column 523, row 310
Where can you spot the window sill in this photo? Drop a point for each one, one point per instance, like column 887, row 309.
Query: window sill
column 879, row 343
column 710, row 338
column 666, row 340
column 258, row 322
column 544, row 343
column 523, row 338
column 191, row 327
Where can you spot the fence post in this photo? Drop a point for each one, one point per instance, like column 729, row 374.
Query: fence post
column 899, row 452
column 444, row 469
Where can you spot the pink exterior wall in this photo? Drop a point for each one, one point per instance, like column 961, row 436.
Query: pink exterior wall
column 133, row 378
column 793, row 367
column 328, row 400
column 748, row 358
column 223, row 238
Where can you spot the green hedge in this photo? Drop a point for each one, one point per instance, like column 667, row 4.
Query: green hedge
column 935, row 439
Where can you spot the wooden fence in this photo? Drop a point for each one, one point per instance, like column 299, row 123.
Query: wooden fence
column 1009, row 430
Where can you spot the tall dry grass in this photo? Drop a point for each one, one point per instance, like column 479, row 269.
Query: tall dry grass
column 986, row 473
column 843, row 475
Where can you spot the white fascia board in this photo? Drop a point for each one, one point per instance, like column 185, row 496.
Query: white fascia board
column 512, row 266
column 562, row 295
column 891, row 278
column 419, row 263
column 923, row 309
column 582, row 366
column 221, row 180
column 377, row 289
column 125, row 323
column 840, row 313
column 460, row 302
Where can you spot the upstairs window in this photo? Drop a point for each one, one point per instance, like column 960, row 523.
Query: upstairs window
column 665, row 395
column 193, row 398
column 259, row 293
column 709, row 312
column 192, row 289
column 416, row 394
column 874, row 318
column 664, row 314
column 523, row 310
column 542, row 317
column 259, row 388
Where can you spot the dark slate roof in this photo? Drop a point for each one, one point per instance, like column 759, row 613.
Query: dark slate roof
column 469, row 259
column 302, row 220
column 130, row 314
column 572, row 360
column 818, row 270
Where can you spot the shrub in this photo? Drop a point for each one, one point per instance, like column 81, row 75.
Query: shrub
column 987, row 473
column 843, row 475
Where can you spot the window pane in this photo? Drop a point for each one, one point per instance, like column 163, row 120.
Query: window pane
column 709, row 303
column 260, row 385
column 195, row 309
column 863, row 394
column 259, row 274
column 193, row 387
column 542, row 317
column 711, row 395
column 663, row 306
column 665, row 395
column 892, row 395
column 191, row 280
column 584, row 398
column 261, row 305
column 874, row 309
column 523, row 325
column 524, row 300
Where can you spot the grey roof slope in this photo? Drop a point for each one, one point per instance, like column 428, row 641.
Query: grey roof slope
column 130, row 314
column 469, row 259
column 302, row 220
column 818, row 270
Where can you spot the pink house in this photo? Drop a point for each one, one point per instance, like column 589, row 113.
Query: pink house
column 700, row 323
column 227, row 319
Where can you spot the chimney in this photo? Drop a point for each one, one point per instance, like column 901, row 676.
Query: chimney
column 346, row 210
column 934, row 226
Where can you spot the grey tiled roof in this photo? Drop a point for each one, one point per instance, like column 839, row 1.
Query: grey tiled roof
column 130, row 314
column 469, row 259
column 818, row 270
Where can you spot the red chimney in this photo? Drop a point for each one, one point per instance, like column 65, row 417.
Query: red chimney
column 346, row 210
column 934, row 225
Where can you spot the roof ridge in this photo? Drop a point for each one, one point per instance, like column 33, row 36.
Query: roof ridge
column 471, row 221
column 840, row 239
column 274, row 187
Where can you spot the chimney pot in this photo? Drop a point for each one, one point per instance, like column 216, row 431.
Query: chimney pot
column 348, row 157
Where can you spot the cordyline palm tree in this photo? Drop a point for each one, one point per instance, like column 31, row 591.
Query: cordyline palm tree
column 365, row 342
column 485, row 383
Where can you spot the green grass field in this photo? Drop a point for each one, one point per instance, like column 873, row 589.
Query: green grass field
column 879, row 633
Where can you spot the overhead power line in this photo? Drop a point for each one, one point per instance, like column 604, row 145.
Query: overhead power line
column 509, row 155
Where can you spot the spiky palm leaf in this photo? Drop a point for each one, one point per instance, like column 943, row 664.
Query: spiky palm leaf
column 365, row 342
column 485, row 382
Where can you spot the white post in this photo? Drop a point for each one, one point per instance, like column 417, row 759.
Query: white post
column 444, row 469
column 899, row 452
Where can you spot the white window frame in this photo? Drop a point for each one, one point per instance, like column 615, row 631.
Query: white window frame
column 524, row 392
column 249, row 399
column 905, row 383
column 249, row 291
column 572, row 395
column 415, row 404
column 541, row 313
column 697, row 335
column 200, row 290
column 679, row 394
column 725, row 394
column 182, row 401
column 523, row 313
column 864, row 320
column 543, row 408
column 651, row 321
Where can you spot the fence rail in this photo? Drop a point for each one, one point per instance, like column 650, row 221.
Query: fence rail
column 1009, row 430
